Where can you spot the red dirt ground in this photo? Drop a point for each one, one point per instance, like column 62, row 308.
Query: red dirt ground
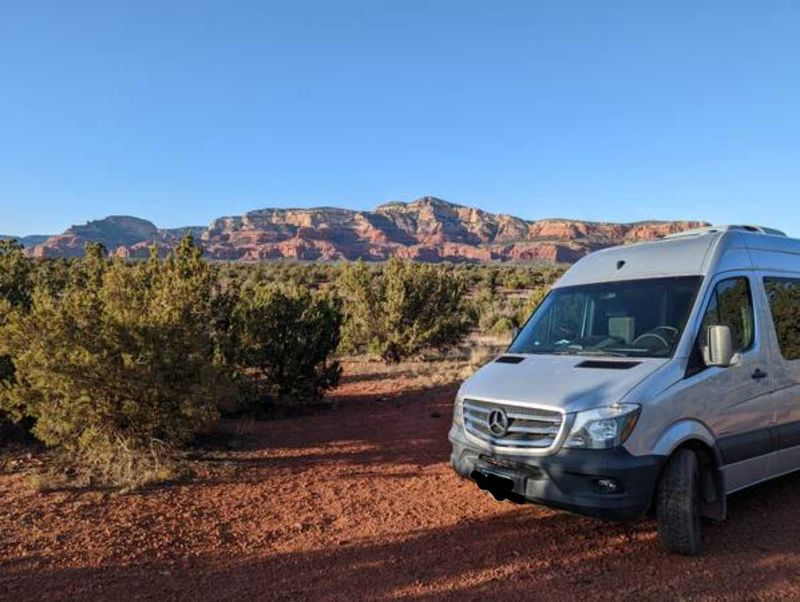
column 360, row 503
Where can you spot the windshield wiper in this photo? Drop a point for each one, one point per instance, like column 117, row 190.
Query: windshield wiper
column 608, row 352
column 595, row 352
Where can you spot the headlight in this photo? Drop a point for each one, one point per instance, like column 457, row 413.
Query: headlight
column 603, row 428
column 458, row 411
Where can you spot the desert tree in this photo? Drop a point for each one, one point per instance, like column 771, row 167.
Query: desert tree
column 284, row 336
column 15, row 295
column 15, row 291
column 403, row 308
column 119, row 366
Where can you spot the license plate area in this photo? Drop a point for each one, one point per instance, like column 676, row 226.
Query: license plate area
column 503, row 485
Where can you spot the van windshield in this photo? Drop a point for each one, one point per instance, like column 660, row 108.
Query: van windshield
column 633, row 318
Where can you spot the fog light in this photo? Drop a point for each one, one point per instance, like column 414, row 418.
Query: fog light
column 607, row 485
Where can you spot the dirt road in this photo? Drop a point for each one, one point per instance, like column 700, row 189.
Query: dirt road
column 359, row 503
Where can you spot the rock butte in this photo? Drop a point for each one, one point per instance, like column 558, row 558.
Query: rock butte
column 428, row 229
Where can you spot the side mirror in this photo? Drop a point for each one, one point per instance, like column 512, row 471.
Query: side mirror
column 719, row 349
column 514, row 332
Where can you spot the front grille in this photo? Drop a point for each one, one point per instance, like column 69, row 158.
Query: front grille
column 528, row 428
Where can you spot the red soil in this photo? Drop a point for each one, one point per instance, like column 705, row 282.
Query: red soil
column 360, row 503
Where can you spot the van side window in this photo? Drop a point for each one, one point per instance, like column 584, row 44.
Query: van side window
column 731, row 305
column 784, row 303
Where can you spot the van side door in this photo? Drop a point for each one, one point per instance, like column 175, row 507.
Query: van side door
column 783, row 298
column 735, row 401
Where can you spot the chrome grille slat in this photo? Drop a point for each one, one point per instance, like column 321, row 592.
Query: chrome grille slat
column 519, row 416
column 528, row 428
column 533, row 430
column 485, row 433
column 544, row 443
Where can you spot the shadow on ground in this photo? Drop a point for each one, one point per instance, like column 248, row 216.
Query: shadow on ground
column 517, row 554
column 405, row 428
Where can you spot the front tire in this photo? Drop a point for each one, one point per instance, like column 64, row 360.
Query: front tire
column 678, row 504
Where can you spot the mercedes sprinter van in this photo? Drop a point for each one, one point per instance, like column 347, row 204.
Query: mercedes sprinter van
column 653, row 378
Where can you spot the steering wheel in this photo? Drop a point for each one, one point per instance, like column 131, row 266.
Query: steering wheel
column 653, row 335
column 671, row 329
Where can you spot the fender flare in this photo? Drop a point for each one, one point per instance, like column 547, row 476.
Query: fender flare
column 693, row 430
column 682, row 431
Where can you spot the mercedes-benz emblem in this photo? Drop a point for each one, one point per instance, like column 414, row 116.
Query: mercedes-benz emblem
column 498, row 422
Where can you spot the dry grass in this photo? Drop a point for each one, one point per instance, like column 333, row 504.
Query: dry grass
column 117, row 466
column 431, row 370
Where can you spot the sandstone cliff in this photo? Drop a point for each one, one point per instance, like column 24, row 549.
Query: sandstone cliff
column 428, row 229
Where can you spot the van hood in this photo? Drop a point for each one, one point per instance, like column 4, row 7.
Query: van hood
column 570, row 382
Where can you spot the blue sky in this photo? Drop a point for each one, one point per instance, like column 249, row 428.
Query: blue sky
column 182, row 111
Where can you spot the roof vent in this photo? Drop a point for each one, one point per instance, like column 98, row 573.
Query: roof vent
column 761, row 230
column 713, row 229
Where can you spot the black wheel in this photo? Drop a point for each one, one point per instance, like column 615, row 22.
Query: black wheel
column 678, row 504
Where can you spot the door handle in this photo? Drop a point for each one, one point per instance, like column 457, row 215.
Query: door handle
column 759, row 374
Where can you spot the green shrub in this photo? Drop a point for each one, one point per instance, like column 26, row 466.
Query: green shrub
column 15, row 293
column 499, row 314
column 15, row 274
column 122, row 361
column 526, row 306
column 403, row 309
column 15, row 290
column 283, row 337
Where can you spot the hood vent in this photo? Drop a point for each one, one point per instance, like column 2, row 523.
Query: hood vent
column 509, row 359
column 607, row 365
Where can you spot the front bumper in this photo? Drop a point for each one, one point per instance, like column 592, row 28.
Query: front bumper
column 569, row 479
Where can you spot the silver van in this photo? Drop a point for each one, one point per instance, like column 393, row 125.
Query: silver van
column 653, row 378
